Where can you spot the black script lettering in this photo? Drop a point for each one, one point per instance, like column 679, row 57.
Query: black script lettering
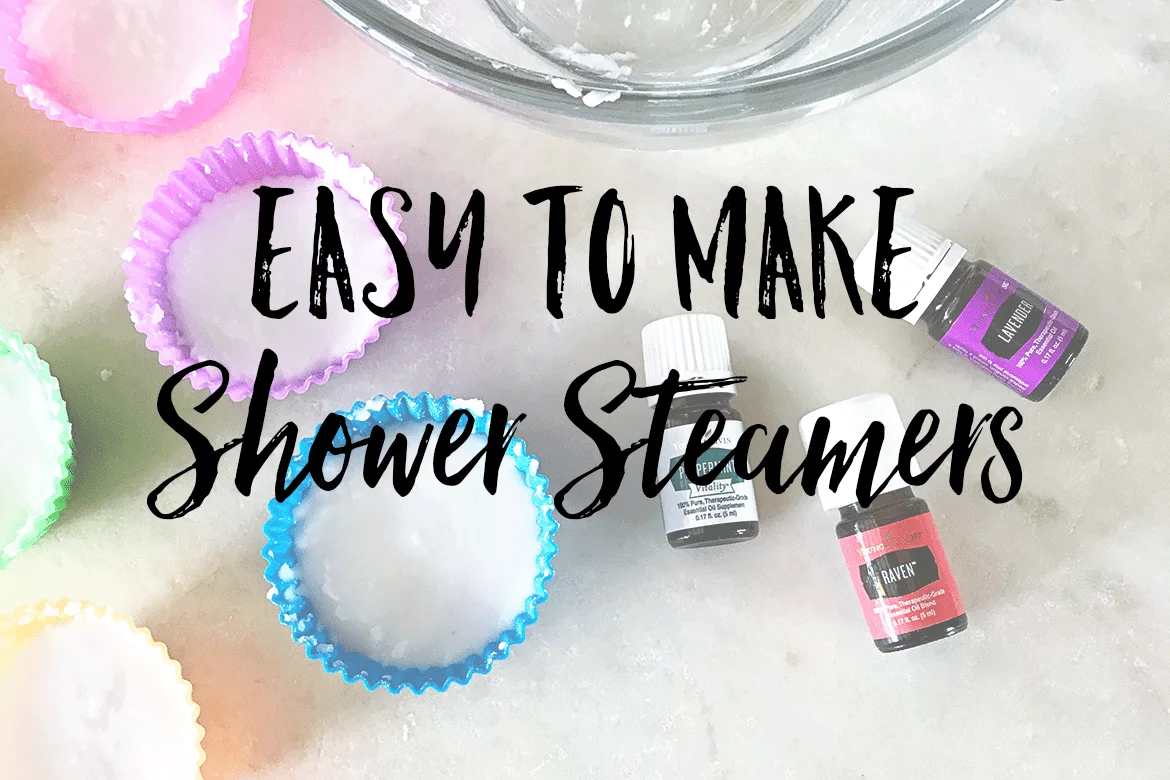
column 332, row 438
column 252, row 457
column 555, row 277
column 912, row 445
column 777, row 244
column 686, row 249
column 402, row 479
column 1011, row 461
column 959, row 452
column 265, row 253
column 651, row 485
column 324, row 445
column 838, row 459
column 206, row 457
column 501, row 432
column 821, row 228
column 326, row 248
column 698, row 443
column 817, row 460
column 456, row 430
column 442, row 257
column 741, row 454
column 403, row 299
column 613, row 457
column 599, row 256
column 963, row 444
column 774, row 460
column 887, row 203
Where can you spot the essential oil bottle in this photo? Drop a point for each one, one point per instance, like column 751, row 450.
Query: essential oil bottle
column 977, row 311
column 724, row 511
column 892, row 548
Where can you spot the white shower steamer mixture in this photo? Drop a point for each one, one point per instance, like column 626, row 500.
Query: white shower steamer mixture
column 425, row 579
column 210, row 275
column 30, row 458
column 92, row 699
column 120, row 60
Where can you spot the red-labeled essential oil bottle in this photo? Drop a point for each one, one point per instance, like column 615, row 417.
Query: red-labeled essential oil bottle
column 891, row 547
column 724, row 511
column 977, row 311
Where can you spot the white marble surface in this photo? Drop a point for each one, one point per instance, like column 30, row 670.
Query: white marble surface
column 1043, row 145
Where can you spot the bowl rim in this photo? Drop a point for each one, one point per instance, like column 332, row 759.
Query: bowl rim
column 673, row 108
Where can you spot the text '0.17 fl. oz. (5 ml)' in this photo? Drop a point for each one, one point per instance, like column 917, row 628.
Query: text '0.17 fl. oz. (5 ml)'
column 723, row 511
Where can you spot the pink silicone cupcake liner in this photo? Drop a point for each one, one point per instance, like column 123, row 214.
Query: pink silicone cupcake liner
column 32, row 83
column 177, row 204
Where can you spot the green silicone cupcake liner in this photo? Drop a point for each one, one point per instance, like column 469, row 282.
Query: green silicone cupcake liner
column 12, row 348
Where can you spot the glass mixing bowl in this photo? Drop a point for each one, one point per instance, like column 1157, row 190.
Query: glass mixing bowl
column 665, row 72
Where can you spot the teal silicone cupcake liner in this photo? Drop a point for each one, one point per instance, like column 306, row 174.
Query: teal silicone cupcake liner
column 298, row 613
column 38, row 521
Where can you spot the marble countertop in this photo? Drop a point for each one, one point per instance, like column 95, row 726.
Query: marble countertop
column 1043, row 146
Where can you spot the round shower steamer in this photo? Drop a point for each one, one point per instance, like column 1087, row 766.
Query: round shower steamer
column 121, row 60
column 263, row 242
column 423, row 580
column 91, row 697
column 37, row 447
column 210, row 272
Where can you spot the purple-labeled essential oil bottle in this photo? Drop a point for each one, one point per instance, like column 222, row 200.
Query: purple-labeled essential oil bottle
column 976, row 310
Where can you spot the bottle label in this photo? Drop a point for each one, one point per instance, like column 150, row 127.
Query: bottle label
column 1011, row 333
column 902, row 577
column 728, row 499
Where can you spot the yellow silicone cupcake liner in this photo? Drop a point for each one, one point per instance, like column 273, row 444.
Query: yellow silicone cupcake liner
column 26, row 623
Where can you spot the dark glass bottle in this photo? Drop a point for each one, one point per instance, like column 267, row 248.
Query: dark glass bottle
column 958, row 292
column 722, row 509
column 887, row 509
column 892, row 550
column 975, row 310
column 686, row 411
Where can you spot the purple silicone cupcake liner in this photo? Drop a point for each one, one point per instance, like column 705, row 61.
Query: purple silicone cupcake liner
column 176, row 205
column 31, row 82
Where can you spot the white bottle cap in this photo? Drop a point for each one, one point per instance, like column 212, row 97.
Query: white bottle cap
column 917, row 275
column 848, row 422
column 693, row 344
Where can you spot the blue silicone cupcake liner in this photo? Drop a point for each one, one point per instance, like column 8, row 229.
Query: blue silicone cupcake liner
column 295, row 609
